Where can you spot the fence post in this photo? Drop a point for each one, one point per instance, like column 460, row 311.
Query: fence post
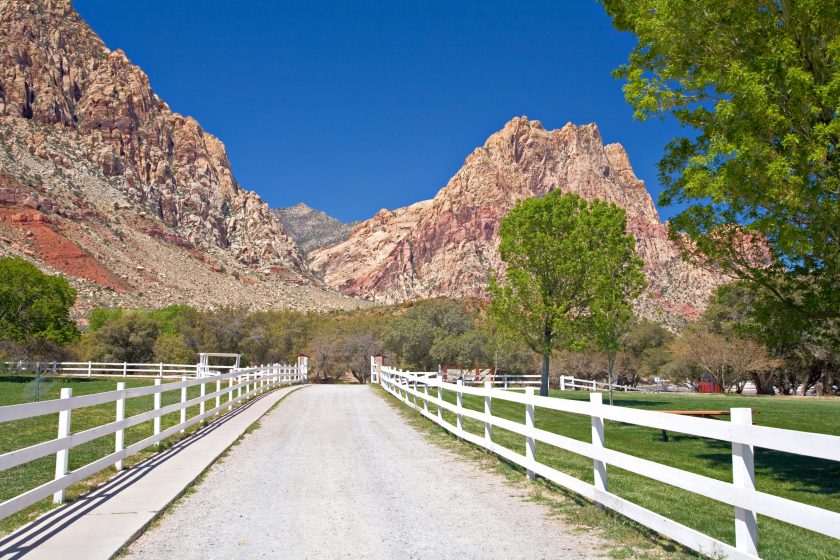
column 426, row 395
column 459, row 399
column 238, row 386
column 530, row 442
column 743, row 475
column 218, row 396
column 440, row 397
column 230, row 393
column 488, row 427
column 183, row 401
column 203, row 391
column 156, row 421
column 562, row 382
column 596, row 400
column 125, row 369
column 160, row 370
column 119, row 435
column 62, row 455
column 90, row 367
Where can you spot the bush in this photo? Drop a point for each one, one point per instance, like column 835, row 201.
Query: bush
column 34, row 309
column 129, row 338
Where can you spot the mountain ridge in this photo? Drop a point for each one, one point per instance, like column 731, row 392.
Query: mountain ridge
column 92, row 160
column 448, row 245
column 312, row 229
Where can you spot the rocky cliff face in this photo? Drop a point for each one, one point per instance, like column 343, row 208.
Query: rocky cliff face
column 447, row 246
column 312, row 229
column 93, row 156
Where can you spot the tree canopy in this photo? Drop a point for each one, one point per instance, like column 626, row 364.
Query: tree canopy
column 570, row 266
column 759, row 83
column 34, row 305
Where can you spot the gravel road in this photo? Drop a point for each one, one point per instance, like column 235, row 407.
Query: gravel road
column 334, row 472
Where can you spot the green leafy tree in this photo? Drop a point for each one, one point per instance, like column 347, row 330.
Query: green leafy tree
column 759, row 83
column 129, row 338
column 617, row 279
column 469, row 349
column 557, row 249
column 810, row 351
column 644, row 352
column 413, row 333
column 171, row 349
column 101, row 315
column 173, row 318
column 34, row 306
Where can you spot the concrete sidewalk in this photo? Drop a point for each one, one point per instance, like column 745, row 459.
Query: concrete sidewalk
column 97, row 525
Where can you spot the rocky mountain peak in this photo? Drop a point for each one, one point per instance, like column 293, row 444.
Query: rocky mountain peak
column 137, row 196
column 448, row 246
column 312, row 229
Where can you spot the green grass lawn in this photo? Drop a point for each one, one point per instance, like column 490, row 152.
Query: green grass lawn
column 811, row 481
column 29, row 431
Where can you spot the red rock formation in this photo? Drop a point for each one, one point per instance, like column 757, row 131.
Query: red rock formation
column 447, row 246
column 134, row 186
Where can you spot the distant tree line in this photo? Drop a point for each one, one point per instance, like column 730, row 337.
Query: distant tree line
column 727, row 346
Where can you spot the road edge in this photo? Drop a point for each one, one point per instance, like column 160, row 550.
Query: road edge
column 120, row 552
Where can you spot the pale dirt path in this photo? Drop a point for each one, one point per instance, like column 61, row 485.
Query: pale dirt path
column 334, row 472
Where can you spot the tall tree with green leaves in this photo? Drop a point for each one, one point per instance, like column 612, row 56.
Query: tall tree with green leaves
column 33, row 305
column 559, row 250
column 617, row 282
column 759, row 83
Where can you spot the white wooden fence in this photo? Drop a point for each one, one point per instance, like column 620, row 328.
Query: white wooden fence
column 503, row 380
column 225, row 391
column 414, row 390
column 111, row 369
column 570, row 383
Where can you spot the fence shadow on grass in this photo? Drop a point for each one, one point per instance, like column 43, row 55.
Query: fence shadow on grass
column 30, row 536
column 808, row 474
column 648, row 404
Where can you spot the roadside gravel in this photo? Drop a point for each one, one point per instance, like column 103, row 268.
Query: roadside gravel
column 334, row 472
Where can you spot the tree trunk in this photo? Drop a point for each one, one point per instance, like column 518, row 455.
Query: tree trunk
column 611, row 359
column 544, row 376
column 763, row 383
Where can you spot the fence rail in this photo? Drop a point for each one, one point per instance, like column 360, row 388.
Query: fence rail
column 414, row 390
column 570, row 383
column 503, row 380
column 226, row 391
column 113, row 369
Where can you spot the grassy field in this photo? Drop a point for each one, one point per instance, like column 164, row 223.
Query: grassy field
column 810, row 481
column 29, row 431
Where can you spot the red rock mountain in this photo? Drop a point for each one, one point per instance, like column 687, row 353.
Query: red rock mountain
column 101, row 181
column 448, row 245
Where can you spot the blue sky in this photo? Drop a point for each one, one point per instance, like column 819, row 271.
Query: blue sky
column 356, row 106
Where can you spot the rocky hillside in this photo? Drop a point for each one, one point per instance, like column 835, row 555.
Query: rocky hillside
column 101, row 181
column 312, row 229
column 448, row 245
